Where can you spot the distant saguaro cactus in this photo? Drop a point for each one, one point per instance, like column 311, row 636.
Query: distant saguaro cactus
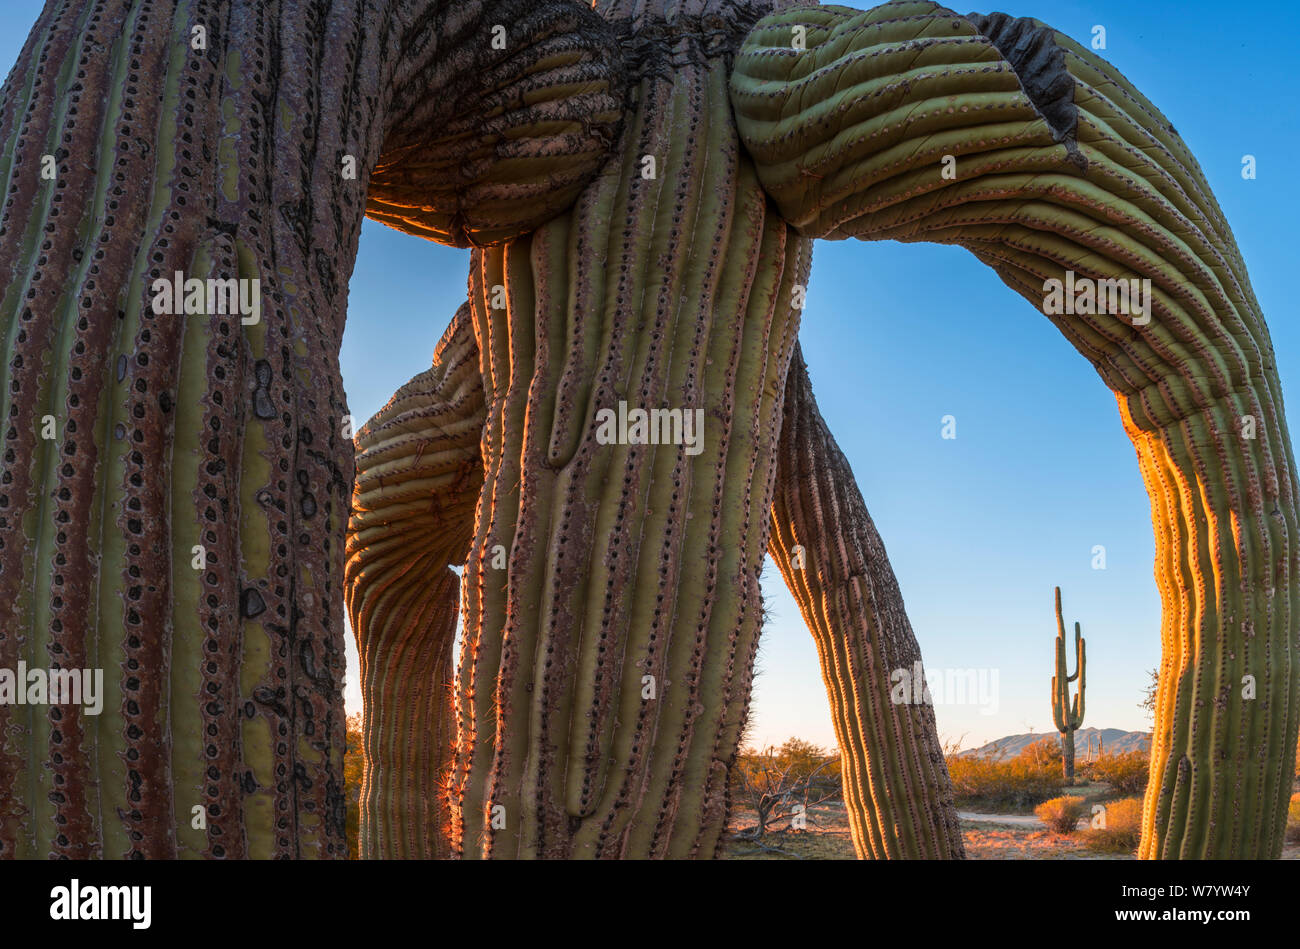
column 1067, row 718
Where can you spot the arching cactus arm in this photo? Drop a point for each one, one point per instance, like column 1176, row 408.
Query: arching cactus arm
column 910, row 122
column 896, row 785
column 418, row 480
column 501, row 134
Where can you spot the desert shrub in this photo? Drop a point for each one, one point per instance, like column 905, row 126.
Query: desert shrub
column 1016, row 785
column 1126, row 772
column 1293, row 820
column 1046, row 751
column 772, row 784
column 1061, row 814
column 800, row 759
column 1123, row 828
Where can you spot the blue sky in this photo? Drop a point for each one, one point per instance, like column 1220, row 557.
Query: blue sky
column 980, row 528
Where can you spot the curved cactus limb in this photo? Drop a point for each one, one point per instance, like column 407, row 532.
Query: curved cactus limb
column 418, row 481
column 896, row 785
column 502, row 130
column 1063, row 170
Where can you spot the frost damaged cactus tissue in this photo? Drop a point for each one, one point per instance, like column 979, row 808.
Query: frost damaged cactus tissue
column 641, row 183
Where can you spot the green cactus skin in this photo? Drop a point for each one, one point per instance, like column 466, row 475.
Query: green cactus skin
column 223, row 683
column 896, row 785
column 1062, row 165
column 624, row 561
column 1066, row 717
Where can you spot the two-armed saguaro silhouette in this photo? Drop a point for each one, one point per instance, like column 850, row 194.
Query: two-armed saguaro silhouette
column 641, row 181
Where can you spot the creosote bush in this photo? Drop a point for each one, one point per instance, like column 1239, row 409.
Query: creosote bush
column 1123, row 828
column 1015, row 785
column 1061, row 814
column 1127, row 772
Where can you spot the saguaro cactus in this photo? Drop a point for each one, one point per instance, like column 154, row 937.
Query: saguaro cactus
column 416, row 470
column 642, row 185
column 1067, row 717
column 419, row 474
column 183, row 530
column 910, row 122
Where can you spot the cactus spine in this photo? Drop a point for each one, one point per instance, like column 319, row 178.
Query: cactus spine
column 1068, row 717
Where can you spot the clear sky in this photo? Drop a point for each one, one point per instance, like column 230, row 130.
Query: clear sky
column 980, row 528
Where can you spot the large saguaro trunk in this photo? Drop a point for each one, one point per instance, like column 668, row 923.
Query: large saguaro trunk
column 174, row 482
column 611, row 592
column 182, row 531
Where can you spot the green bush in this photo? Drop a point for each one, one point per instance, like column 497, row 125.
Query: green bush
column 1061, row 814
column 1126, row 772
column 1016, row 785
column 1123, row 828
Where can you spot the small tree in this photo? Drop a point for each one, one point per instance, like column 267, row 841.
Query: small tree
column 1042, row 753
column 1149, row 695
column 781, row 786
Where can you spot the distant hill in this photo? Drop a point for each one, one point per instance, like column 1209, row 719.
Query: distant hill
column 1113, row 740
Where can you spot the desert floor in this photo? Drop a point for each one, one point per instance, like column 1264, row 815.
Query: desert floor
column 987, row 836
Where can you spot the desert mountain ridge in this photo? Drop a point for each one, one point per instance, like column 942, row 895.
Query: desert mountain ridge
column 1112, row 740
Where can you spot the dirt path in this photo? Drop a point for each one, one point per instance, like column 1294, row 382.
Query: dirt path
column 986, row 836
column 1013, row 820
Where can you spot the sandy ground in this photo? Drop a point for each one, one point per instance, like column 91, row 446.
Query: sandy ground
column 987, row 837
